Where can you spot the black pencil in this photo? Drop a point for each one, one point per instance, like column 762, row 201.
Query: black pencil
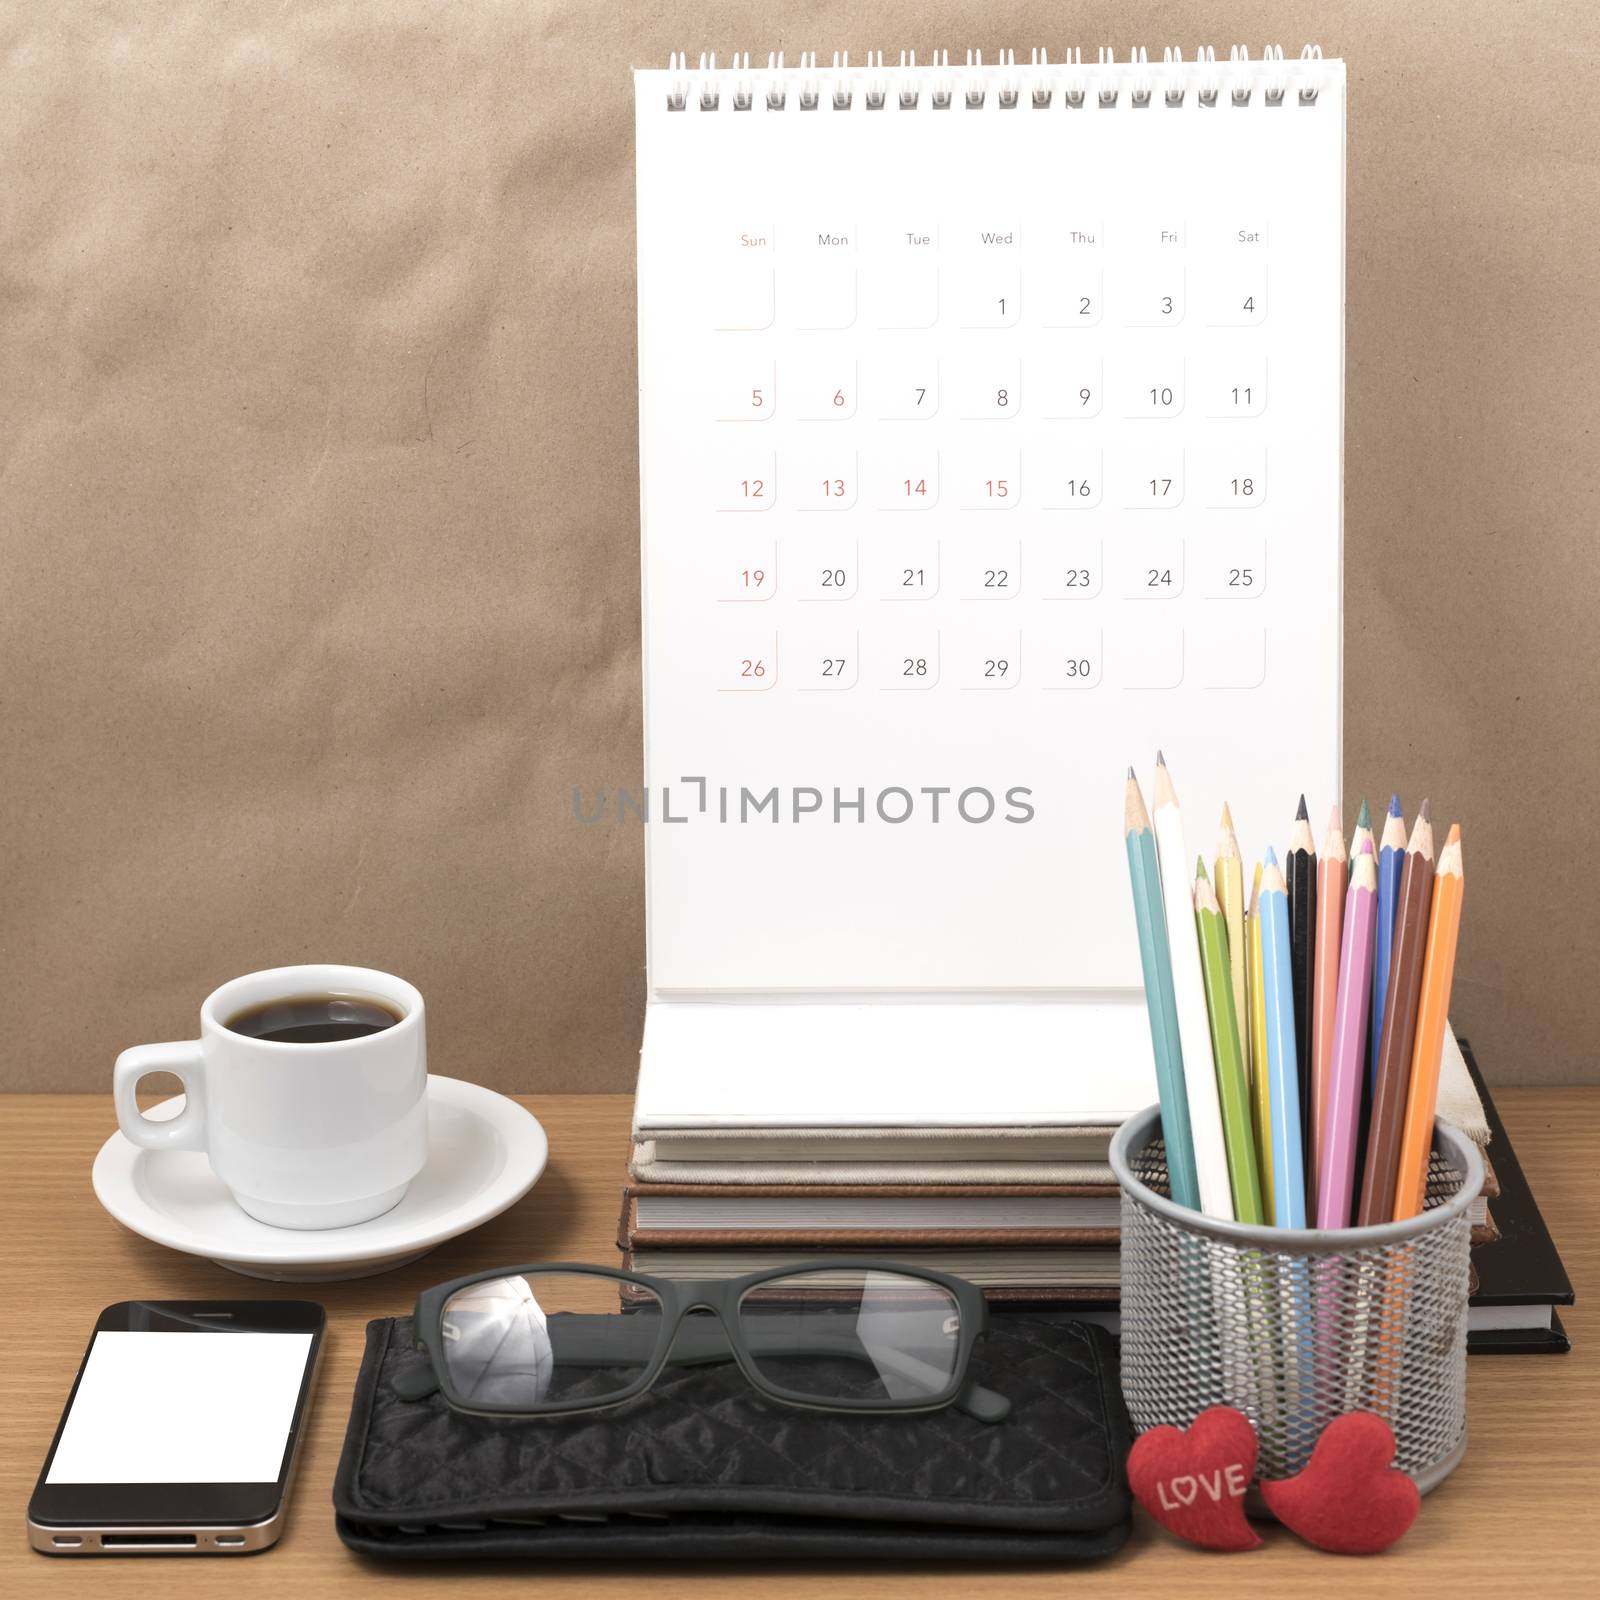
column 1300, row 876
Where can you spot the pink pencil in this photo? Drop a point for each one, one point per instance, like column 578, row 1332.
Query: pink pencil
column 1336, row 1180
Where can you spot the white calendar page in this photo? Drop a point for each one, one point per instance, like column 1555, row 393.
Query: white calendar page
column 984, row 449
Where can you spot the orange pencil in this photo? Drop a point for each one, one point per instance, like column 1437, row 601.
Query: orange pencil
column 1438, row 967
column 1332, row 874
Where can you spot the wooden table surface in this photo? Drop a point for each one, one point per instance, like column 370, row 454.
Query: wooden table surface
column 1520, row 1511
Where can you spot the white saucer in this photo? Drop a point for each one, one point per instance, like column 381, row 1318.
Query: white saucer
column 484, row 1153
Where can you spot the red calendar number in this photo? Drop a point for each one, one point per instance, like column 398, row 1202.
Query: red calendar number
column 828, row 475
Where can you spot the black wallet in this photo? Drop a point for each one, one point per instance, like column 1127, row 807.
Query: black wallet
column 704, row 1467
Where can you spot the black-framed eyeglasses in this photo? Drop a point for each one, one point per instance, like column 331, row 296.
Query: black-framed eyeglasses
column 838, row 1335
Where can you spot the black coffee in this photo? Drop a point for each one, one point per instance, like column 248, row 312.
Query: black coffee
column 315, row 1019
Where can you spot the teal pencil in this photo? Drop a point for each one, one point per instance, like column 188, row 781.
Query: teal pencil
column 1277, row 982
column 1156, row 958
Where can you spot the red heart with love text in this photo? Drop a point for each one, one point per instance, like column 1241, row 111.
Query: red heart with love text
column 1193, row 1481
column 1347, row 1498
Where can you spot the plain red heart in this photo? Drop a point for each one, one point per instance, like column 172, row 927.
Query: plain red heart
column 1193, row 1482
column 1348, row 1498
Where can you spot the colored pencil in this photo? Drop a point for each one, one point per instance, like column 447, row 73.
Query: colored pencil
column 1392, row 1090
column 1300, row 879
column 1391, row 857
column 1189, row 993
column 1230, row 900
column 1341, row 1117
column 1233, row 1086
column 1149, row 913
column 1260, row 1087
column 1433, row 1011
column 1277, row 983
column 1363, row 831
column 1332, row 873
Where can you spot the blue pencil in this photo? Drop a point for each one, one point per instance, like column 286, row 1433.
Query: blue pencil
column 1283, row 1072
column 1391, row 858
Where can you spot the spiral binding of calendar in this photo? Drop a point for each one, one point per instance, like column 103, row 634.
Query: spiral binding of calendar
column 1039, row 84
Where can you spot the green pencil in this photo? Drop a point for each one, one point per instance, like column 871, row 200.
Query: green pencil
column 1160, row 1002
column 1233, row 1082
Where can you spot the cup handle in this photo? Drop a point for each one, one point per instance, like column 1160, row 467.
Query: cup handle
column 187, row 1130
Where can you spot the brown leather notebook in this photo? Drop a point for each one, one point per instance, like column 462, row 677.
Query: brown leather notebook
column 859, row 1216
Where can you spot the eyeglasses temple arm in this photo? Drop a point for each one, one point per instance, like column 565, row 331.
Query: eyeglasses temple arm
column 702, row 1341
column 415, row 1382
column 984, row 1404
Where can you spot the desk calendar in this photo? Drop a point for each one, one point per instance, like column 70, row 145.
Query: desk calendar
column 991, row 423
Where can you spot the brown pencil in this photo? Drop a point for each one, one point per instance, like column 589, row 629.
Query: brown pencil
column 1386, row 1127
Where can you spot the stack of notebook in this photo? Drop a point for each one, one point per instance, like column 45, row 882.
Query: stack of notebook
column 1000, row 1176
column 999, row 1173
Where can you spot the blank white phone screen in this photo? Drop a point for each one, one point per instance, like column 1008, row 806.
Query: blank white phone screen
column 182, row 1408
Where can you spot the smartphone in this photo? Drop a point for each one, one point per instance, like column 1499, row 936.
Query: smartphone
column 181, row 1431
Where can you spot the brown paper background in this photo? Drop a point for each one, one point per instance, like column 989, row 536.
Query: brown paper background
column 318, row 495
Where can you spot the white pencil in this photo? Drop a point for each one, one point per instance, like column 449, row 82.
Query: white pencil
column 1189, row 990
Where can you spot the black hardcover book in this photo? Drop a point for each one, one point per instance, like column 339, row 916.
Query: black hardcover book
column 1520, row 1276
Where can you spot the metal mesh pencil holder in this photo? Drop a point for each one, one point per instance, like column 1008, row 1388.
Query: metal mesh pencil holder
column 1297, row 1326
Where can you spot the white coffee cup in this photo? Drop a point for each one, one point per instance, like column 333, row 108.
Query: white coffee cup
column 319, row 1135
